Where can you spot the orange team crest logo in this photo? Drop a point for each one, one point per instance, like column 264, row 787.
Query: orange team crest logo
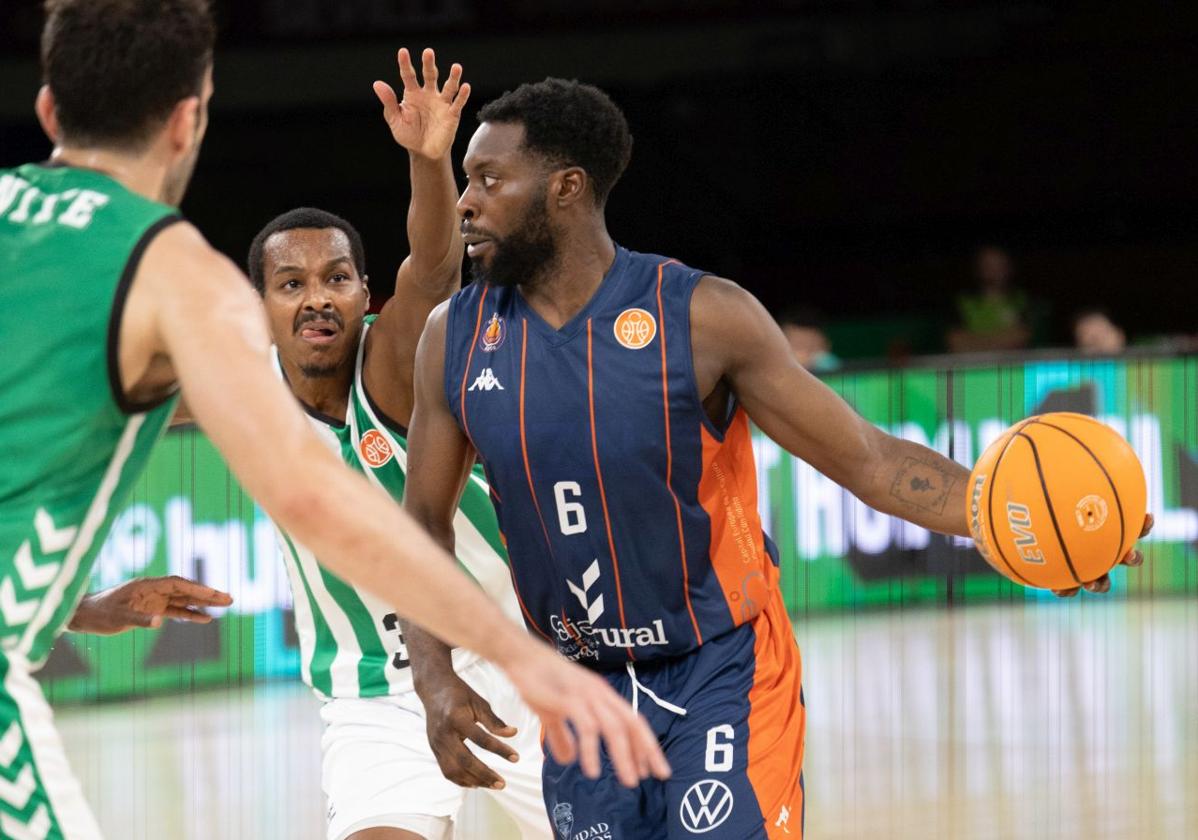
column 374, row 448
column 635, row 328
column 494, row 334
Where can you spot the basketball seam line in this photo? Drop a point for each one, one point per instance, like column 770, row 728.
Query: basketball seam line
column 1110, row 481
column 990, row 509
column 1048, row 502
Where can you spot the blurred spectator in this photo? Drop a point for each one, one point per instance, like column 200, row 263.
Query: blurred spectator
column 1095, row 332
column 994, row 317
column 804, row 329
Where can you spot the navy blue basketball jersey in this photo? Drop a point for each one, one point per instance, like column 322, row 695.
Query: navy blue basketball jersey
column 630, row 519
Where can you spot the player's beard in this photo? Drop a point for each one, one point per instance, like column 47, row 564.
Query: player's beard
column 521, row 256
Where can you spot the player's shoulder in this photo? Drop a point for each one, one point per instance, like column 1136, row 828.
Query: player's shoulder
column 439, row 316
column 179, row 261
column 720, row 303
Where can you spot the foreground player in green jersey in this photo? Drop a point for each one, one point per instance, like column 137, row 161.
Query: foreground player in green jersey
column 352, row 373
column 122, row 304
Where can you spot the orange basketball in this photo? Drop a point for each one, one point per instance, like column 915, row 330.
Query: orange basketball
column 1056, row 501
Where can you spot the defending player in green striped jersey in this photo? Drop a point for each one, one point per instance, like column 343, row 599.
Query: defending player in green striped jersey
column 352, row 373
column 350, row 641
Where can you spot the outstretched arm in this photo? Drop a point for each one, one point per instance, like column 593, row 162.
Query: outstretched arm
column 424, row 122
column 736, row 342
column 737, row 345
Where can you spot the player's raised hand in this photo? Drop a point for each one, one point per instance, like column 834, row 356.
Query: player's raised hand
column 1103, row 584
column 579, row 710
column 456, row 713
column 426, row 119
column 145, row 602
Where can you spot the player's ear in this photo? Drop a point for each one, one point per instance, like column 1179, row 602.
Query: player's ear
column 47, row 114
column 183, row 125
column 366, row 287
column 568, row 185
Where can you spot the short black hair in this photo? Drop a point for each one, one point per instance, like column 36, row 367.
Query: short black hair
column 570, row 124
column 117, row 68
column 302, row 217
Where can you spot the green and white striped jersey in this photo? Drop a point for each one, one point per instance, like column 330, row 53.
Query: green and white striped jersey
column 71, row 445
column 350, row 644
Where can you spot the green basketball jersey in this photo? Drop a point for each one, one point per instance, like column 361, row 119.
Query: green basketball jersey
column 350, row 644
column 70, row 444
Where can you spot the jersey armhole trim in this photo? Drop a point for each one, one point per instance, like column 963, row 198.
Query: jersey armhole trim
column 126, row 405
column 716, row 431
column 392, row 424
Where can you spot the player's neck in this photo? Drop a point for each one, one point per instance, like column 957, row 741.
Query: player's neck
column 135, row 173
column 324, row 394
column 568, row 283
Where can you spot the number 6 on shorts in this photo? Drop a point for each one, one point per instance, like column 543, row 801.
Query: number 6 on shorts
column 719, row 752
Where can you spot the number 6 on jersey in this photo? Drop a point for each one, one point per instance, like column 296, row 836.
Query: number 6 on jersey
column 566, row 510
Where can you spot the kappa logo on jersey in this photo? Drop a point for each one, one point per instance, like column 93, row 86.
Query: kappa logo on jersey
column 494, row 334
column 374, row 449
column 486, row 381
column 707, row 804
column 579, row 634
column 783, row 819
column 635, row 328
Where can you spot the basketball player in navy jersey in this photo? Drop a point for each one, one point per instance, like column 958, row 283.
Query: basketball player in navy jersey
column 608, row 395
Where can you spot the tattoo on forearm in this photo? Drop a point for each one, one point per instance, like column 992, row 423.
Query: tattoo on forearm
column 922, row 484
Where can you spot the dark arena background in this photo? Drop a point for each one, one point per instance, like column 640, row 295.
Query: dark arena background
column 888, row 178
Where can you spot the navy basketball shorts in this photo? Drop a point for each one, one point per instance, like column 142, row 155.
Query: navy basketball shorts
column 731, row 721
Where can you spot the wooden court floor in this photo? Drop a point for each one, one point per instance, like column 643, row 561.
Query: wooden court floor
column 1037, row 721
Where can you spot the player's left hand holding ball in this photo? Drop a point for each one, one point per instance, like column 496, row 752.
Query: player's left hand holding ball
column 1103, row 584
column 145, row 602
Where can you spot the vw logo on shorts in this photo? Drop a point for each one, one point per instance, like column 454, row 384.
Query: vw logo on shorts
column 706, row 805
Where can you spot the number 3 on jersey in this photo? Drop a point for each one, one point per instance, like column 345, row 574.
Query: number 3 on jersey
column 571, row 516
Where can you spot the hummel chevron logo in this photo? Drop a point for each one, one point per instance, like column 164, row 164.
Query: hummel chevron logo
column 595, row 608
column 486, row 381
column 10, row 744
column 36, row 829
column 17, row 793
column 34, row 576
column 53, row 540
column 15, row 611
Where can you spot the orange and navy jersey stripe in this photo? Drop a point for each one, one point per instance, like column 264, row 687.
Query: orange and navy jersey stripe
column 630, row 518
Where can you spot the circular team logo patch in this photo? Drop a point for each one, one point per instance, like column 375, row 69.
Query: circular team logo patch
column 374, row 449
column 494, row 334
column 635, row 328
column 1091, row 513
